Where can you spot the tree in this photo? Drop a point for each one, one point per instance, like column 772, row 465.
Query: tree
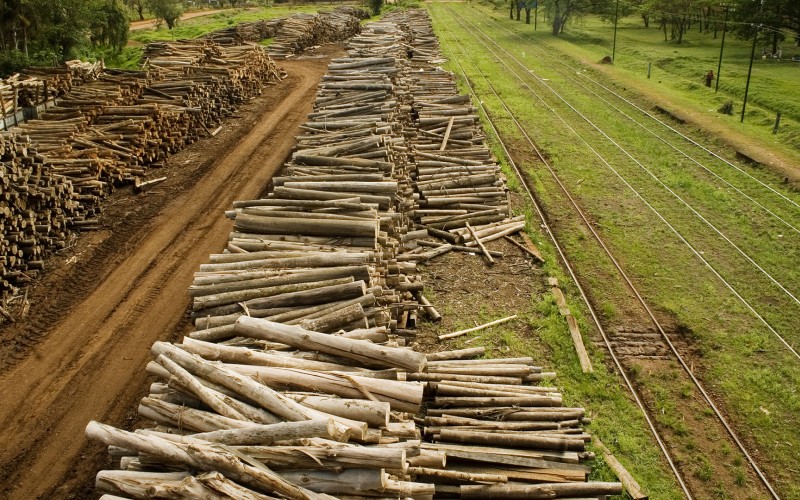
column 109, row 26
column 777, row 16
column 138, row 6
column 561, row 11
column 375, row 6
column 529, row 4
column 167, row 10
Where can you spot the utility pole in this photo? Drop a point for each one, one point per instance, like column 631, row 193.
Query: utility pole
column 752, row 55
column 721, row 47
column 614, row 44
column 749, row 71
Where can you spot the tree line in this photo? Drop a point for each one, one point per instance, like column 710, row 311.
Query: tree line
column 46, row 32
column 780, row 18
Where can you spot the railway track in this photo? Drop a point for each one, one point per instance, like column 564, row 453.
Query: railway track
column 756, row 268
column 612, row 348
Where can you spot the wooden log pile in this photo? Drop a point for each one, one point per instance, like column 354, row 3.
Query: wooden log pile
column 35, row 86
column 56, row 169
column 302, row 31
column 290, row 387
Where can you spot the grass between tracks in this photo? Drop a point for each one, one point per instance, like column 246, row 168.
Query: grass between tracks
column 749, row 373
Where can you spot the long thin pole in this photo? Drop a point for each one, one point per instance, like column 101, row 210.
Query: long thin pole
column 614, row 45
column 749, row 72
column 722, row 46
column 535, row 16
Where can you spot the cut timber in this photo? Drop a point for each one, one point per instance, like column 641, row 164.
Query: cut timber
column 628, row 482
column 475, row 329
column 202, row 456
column 572, row 323
column 359, row 350
column 268, row 434
column 547, row 490
column 480, row 244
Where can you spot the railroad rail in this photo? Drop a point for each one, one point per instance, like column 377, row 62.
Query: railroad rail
column 525, row 182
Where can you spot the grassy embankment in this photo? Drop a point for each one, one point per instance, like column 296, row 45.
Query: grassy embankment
column 758, row 393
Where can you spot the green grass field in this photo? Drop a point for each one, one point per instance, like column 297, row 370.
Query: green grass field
column 677, row 71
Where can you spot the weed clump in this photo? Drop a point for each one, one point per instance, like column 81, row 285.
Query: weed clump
column 727, row 108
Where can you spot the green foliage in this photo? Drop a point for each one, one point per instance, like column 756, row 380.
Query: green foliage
column 561, row 11
column 168, row 11
column 46, row 31
column 109, row 25
column 375, row 6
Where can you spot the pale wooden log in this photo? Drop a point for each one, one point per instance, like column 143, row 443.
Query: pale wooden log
column 268, row 434
column 628, row 481
column 568, row 460
column 429, row 458
column 479, row 243
column 219, row 299
column 333, row 456
column 189, row 418
column 483, row 379
column 431, row 311
column 197, row 389
column 519, row 400
column 477, row 328
column 199, row 456
column 377, row 335
column 524, row 440
column 547, row 490
column 536, row 256
column 334, row 259
column 311, row 227
column 353, row 349
column 348, row 481
column 457, row 354
column 133, row 483
column 448, row 420
column 242, row 355
column 403, row 396
column 521, row 473
column 335, row 319
column 458, row 475
column 375, row 413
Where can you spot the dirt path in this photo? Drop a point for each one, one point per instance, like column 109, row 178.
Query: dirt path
column 87, row 361
column 150, row 23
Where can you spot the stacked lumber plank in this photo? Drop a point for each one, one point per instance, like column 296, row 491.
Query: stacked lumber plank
column 289, row 387
column 302, row 31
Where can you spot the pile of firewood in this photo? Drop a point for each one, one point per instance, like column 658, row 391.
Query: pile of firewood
column 299, row 380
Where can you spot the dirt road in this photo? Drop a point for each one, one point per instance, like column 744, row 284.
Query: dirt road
column 83, row 353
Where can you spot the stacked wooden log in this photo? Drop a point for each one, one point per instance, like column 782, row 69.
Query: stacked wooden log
column 289, row 387
column 59, row 167
column 248, row 31
column 35, row 86
column 302, row 31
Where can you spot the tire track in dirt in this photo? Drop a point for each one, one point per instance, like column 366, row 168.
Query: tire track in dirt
column 90, row 364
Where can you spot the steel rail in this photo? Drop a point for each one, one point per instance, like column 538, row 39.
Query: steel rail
column 696, row 252
column 624, row 275
column 641, row 165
